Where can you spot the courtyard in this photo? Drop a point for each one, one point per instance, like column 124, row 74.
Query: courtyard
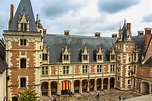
column 105, row 95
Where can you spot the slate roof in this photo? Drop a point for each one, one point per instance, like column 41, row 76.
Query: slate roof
column 24, row 4
column 3, row 66
column 148, row 62
column 76, row 44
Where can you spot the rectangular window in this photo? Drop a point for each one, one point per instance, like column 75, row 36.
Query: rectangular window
column 84, row 69
column 112, row 68
column 44, row 56
column 65, row 69
column 85, row 57
column 66, row 57
column 135, row 57
column 23, row 42
column 99, row 68
column 99, row 57
column 22, row 63
column 22, row 82
column 112, row 57
column 44, row 70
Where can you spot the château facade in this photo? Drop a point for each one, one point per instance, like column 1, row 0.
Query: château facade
column 56, row 64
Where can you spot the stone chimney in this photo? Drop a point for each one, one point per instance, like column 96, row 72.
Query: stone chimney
column 147, row 36
column 44, row 31
column 11, row 15
column 140, row 33
column 97, row 34
column 114, row 35
column 66, row 32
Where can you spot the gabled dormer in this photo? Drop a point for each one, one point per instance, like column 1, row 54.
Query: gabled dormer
column 45, row 54
column 112, row 54
column 99, row 55
column 85, row 55
column 24, row 18
column 23, row 21
column 66, row 55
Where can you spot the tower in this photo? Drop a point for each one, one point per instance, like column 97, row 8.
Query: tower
column 23, row 50
column 126, row 54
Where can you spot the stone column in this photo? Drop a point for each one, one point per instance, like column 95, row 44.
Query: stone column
column 80, row 87
column 108, row 83
column 95, row 84
column 72, row 87
column 49, row 88
column 101, row 84
column 88, row 88
column 58, row 89
column 150, row 88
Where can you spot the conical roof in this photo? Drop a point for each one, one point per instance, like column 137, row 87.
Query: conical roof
column 24, row 5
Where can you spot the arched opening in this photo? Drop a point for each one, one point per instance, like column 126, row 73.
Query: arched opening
column 99, row 84
column 14, row 99
column 145, row 88
column 84, row 85
column 53, row 88
column 65, row 87
column 44, row 88
column 76, row 86
column 112, row 82
column 91, row 86
column 105, row 83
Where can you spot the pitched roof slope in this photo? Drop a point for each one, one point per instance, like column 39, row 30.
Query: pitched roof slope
column 76, row 44
column 24, row 4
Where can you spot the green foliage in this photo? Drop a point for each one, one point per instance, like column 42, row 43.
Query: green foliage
column 27, row 95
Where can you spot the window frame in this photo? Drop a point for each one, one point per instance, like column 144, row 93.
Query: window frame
column 23, row 84
column 23, row 42
column 23, row 62
column 85, row 69
column 65, row 70
column 45, row 70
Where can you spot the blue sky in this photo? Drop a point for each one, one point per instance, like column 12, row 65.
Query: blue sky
column 85, row 17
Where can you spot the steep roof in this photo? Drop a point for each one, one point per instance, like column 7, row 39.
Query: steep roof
column 3, row 66
column 124, row 32
column 76, row 44
column 24, row 4
column 148, row 62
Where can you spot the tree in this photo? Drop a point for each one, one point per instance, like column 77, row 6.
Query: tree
column 27, row 95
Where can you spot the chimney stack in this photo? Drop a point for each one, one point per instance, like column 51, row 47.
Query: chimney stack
column 66, row 32
column 11, row 15
column 129, row 27
column 140, row 33
column 114, row 35
column 97, row 34
column 44, row 31
column 147, row 36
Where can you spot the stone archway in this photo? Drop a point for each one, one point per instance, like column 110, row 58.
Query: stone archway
column 99, row 81
column 53, row 88
column 65, row 87
column 91, row 86
column 145, row 88
column 76, row 86
column 105, row 83
column 44, row 88
column 112, row 82
column 84, row 85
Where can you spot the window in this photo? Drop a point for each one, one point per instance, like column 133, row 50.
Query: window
column 112, row 68
column 135, row 57
column 134, row 70
column 112, row 56
column 66, row 57
column 85, row 57
column 128, row 81
column 44, row 70
column 99, row 68
column 44, row 56
column 23, row 63
column 118, row 78
column 23, row 42
column 99, row 57
column 22, row 82
column 23, row 27
column 65, row 69
column 84, row 69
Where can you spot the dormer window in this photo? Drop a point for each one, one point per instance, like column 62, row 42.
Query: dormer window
column 113, row 54
column 23, row 21
column 99, row 55
column 44, row 56
column 66, row 55
column 85, row 55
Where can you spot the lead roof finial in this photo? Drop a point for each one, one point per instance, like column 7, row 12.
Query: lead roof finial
column 37, row 16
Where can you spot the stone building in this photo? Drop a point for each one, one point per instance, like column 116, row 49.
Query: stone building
column 56, row 64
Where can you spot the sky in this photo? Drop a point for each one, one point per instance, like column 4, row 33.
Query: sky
column 85, row 17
